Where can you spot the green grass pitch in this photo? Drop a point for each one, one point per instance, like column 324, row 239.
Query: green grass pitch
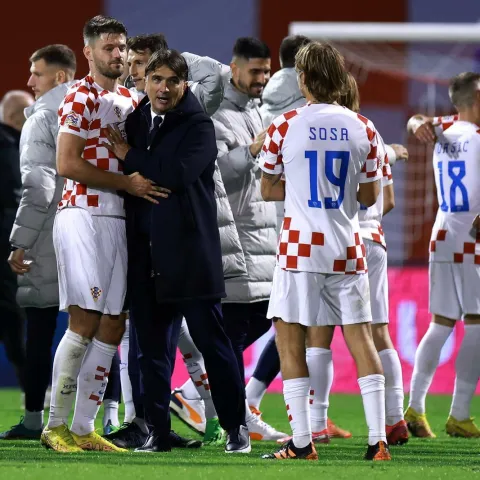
column 443, row 457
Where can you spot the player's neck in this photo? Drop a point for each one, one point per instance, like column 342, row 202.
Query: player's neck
column 469, row 115
column 106, row 83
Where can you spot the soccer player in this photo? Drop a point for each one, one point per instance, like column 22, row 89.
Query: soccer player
column 454, row 268
column 328, row 155
column 89, row 239
column 376, row 249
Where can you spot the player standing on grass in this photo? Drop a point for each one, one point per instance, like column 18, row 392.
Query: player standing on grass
column 454, row 257
column 89, row 239
column 328, row 155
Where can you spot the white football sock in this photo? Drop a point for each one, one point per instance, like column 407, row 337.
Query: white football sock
column 392, row 369
column 427, row 357
column 110, row 412
column 372, row 388
column 320, row 368
column 467, row 368
column 124, row 378
column 66, row 366
column 92, row 383
column 33, row 420
column 189, row 390
column 295, row 393
column 196, row 369
column 255, row 390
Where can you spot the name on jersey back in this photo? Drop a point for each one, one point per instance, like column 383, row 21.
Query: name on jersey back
column 332, row 133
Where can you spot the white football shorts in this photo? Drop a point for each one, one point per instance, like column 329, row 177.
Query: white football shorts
column 318, row 299
column 91, row 260
column 454, row 289
column 378, row 281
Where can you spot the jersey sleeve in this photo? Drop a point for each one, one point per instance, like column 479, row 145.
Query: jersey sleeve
column 76, row 112
column 440, row 124
column 372, row 166
column 384, row 161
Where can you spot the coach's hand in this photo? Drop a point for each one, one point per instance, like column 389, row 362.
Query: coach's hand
column 140, row 186
column 17, row 262
column 117, row 144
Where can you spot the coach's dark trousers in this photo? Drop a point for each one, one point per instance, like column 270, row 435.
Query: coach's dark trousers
column 157, row 327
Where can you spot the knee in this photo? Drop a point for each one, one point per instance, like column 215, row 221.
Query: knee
column 111, row 330
column 381, row 337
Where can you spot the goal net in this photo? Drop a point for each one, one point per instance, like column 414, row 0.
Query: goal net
column 404, row 69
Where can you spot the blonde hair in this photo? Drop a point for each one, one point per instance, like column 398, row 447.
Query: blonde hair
column 351, row 98
column 324, row 71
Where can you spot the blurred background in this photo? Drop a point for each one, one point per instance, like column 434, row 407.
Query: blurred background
column 395, row 79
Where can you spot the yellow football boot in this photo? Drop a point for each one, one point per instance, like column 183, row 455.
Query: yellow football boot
column 418, row 424
column 59, row 439
column 93, row 441
column 462, row 428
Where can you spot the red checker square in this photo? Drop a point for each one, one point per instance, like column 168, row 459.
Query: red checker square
column 98, row 377
column 94, row 397
column 90, row 153
column 269, row 166
column 433, row 246
column 101, row 369
column 290, row 114
column 351, row 253
column 271, row 130
column 304, row 250
column 103, row 163
column 288, row 407
column 477, row 260
column 339, row 265
column 279, row 160
column 469, row 247
column 292, row 262
column 286, row 223
column 273, row 148
column 360, row 264
column 458, row 258
column 311, row 401
column 376, row 238
column 312, row 392
column 78, row 107
column 282, row 249
column 96, row 124
column 282, row 129
column 92, row 200
column 106, row 374
column 83, row 89
column 90, row 105
column 187, row 356
column 198, row 383
column 478, row 237
column 73, row 200
column 357, row 238
column 81, row 189
column 364, row 250
column 441, row 235
column 318, row 238
column 362, row 118
column 207, row 387
column 204, row 376
column 370, row 133
column 293, row 236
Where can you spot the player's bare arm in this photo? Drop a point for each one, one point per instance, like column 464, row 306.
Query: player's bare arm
column 401, row 153
column 368, row 192
column 70, row 164
column 272, row 187
column 422, row 127
column 388, row 199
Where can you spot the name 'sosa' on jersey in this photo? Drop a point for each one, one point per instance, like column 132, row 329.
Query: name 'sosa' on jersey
column 324, row 152
column 456, row 163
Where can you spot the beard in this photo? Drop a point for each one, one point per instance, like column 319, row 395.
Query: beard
column 108, row 71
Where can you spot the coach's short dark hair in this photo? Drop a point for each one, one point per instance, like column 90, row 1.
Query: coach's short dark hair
column 101, row 24
column 152, row 42
column 463, row 89
column 250, row 47
column 289, row 47
column 171, row 59
column 58, row 55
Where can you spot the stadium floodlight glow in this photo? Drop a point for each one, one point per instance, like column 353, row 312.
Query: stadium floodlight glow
column 388, row 32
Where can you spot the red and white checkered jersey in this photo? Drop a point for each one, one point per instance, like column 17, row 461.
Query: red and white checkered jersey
column 324, row 151
column 440, row 124
column 86, row 111
column 371, row 218
column 456, row 163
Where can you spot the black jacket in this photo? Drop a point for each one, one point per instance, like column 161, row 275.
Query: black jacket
column 10, row 184
column 182, row 229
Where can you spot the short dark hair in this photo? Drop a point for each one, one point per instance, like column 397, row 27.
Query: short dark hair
column 57, row 54
column 171, row 59
column 250, row 47
column 324, row 71
column 152, row 42
column 289, row 47
column 463, row 88
column 101, row 24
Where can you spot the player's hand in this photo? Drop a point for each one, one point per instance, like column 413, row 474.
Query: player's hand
column 425, row 133
column 17, row 262
column 140, row 186
column 117, row 144
column 476, row 223
column 400, row 151
column 258, row 142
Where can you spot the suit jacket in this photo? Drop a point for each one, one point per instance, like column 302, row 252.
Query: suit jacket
column 185, row 250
